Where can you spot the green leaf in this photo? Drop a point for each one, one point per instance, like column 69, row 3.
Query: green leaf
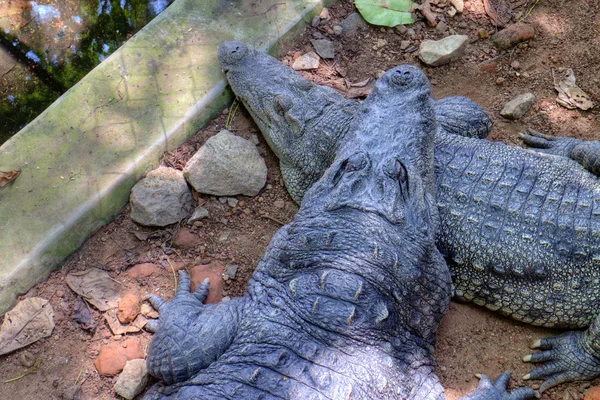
column 386, row 12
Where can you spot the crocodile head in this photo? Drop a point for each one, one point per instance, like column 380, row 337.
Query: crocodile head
column 386, row 167
column 285, row 106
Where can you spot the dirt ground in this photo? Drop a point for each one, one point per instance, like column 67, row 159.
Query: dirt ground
column 471, row 339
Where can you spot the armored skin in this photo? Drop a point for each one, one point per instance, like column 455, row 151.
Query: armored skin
column 348, row 296
column 519, row 229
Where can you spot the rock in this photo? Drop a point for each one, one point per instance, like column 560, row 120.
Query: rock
column 199, row 273
column 129, row 308
column 227, row 165
column 352, row 23
column 133, row 379
column 489, row 66
column 315, row 21
column 161, row 198
column 404, row 44
column 513, row 35
column 518, row 106
column 232, row 202
column 459, row 5
column 337, row 30
column 515, row 65
column 146, row 309
column 592, row 393
column 317, row 35
column 142, row 270
column 186, row 239
column 279, row 203
column 306, row 61
column 441, row 27
column 324, row 48
column 114, row 356
column 440, row 52
column 401, row 29
column 324, row 15
column 199, row 213
column 230, row 271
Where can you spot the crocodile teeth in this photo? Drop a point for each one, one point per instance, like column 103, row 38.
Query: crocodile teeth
column 382, row 313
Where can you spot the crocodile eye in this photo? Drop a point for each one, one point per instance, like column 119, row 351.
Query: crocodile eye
column 282, row 104
column 355, row 162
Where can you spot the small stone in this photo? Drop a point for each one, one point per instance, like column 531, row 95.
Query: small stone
column 161, row 198
column 352, row 23
column 451, row 11
column 518, row 106
column 404, row 44
column 513, row 35
column 223, row 200
column 215, row 290
column 129, row 308
column 279, row 203
column 199, row 213
column 324, row 48
column 483, row 34
column 227, row 165
column 592, row 393
column 317, row 35
column 186, row 239
column 132, row 380
column 441, row 27
column 306, row 61
column 443, row 51
column 60, row 294
column 223, row 237
column 489, row 66
column 142, row 270
column 401, row 29
column 114, row 356
column 458, row 4
column 232, row 202
column 500, row 81
column 315, row 21
column 463, row 25
column 515, row 65
column 230, row 271
column 254, row 139
column 324, row 15
column 337, row 30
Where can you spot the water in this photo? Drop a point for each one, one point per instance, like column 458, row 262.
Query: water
column 47, row 46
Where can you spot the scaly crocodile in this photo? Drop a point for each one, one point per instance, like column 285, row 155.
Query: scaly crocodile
column 520, row 229
column 347, row 298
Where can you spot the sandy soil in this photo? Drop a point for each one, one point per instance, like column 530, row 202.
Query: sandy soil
column 471, row 339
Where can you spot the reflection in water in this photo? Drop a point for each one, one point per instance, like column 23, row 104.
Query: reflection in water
column 47, row 46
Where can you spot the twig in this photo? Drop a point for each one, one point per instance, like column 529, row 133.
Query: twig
column 34, row 368
column 173, row 270
column 232, row 111
column 529, row 11
column 273, row 219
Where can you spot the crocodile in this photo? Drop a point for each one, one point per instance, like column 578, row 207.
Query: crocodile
column 346, row 300
column 520, row 229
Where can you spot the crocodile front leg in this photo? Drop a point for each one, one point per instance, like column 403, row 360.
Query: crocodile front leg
column 190, row 335
column 572, row 356
column 463, row 117
column 486, row 390
column 586, row 153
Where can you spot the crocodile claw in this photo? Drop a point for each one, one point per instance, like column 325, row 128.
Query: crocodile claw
column 488, row 390
column 542, row 143
column 565, row 359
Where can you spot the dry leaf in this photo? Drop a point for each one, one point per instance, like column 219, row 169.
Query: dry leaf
column 569, row 94
column 31, row 320
column 8, row 177
column 83, row 316
column 361, row 91
column 119, row 329
column 96, row 286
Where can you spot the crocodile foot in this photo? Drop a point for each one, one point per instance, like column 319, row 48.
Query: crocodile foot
column 566, row 358
column 486, row 390
column 542, row 143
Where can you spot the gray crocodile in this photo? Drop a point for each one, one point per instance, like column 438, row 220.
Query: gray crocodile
column 347, row 298
column 519, row 229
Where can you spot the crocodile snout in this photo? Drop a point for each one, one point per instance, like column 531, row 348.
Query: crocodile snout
column 230, row 53
column 370, row 184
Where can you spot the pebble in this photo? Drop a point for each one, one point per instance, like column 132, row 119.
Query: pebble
column 324, row 48
column 145, row 309
column 324, row 15
column 404, row 44
column 513, row 35
column 215, row 290
column 401, row 29
column 315, row 21
column 129, row 308
column 232, row 202
column 306, row 62
column 132, row 380
column 186, row 239
column 352, row 23
column 441, row 27
column 592, row 393
column 114, row 356
column 279, row 203
column 500, row 81
column 337, row 30
column 459, row 5
column 518, row 107
column 440, row 52
column 230, row 271
column 317, row 35
column 199, row 213
column 142, row 270
column 515, row 65
column 161, row 198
